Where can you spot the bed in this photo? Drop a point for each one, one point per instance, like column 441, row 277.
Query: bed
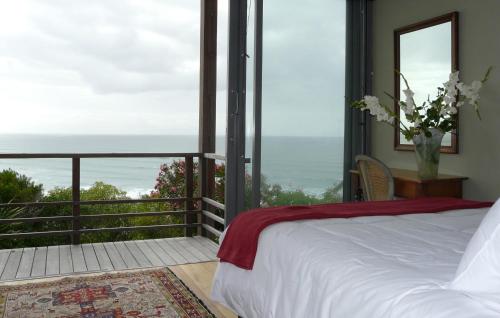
column 377, row 266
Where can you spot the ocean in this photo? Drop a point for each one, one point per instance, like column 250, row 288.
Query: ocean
column 311, row 164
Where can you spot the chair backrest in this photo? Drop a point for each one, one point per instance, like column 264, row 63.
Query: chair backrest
column 376, row 179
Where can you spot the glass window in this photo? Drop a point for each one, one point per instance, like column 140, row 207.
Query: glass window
column 303, row 101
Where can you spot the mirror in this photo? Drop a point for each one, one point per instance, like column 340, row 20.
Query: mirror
column 426, row 53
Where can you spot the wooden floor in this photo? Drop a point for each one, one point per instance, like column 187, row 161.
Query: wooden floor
column 39, row 262
column 198, row 277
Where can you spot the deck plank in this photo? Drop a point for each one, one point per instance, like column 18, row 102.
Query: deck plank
column 176, row 256
column 153, row 258
column 190, row 258
column 164, row 256
column 26, row 263
column 208, row 243
column 203, row 249
column 4, row 257
column 105, row 263
column 191, row 254
column 79, row 264
column 138, row 254
column 129, row 259
column 90, row 258
column 39, row 262
column 114, row 256
column 186, row 243
column 65, row 260
column 53, row 263
column 12, row 265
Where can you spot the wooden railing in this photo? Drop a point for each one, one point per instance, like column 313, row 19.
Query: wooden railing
column 193, row 217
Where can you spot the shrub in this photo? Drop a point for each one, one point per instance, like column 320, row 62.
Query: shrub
column 15, row 187
column 103, row 191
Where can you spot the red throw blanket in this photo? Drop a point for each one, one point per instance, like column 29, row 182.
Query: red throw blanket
column 239, row 246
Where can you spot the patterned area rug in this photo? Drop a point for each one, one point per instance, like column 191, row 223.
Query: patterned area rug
column 138, row 294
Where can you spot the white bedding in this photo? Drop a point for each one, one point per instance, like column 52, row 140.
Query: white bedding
column 361, row 267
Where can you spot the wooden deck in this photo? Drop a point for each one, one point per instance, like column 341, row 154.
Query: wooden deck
column 36, row 262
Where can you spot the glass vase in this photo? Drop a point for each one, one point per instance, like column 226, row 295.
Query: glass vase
column 427, row 151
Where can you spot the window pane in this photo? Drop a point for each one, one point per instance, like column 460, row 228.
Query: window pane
column 303, row 100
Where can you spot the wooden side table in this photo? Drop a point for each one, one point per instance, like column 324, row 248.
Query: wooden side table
column 408, row 185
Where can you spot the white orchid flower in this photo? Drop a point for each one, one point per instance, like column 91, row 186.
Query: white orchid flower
column 409, row 108
column 373, row 105
column 450, row 97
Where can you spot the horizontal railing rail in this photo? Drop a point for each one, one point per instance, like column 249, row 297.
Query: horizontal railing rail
column 63, row 155
column 212, row 230
column 92, row 230
column 96, row 202
column 191, row 213
column 214, row 203
column 214, row 156
column 214, row 217
column 95, row 216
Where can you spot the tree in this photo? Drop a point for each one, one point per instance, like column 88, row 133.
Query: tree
column 16, row 187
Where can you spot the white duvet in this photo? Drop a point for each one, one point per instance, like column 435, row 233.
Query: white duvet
column 361, row 267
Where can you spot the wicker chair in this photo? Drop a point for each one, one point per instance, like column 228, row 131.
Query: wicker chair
column 376, row 179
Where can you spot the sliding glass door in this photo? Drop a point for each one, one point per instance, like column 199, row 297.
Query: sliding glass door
column 285, row 102
column 303, row 73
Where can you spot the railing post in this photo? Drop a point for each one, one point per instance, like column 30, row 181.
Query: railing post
column 75, row 237
column 207, row 189
column 189, row 218
column 208, row 92
column 202, row 184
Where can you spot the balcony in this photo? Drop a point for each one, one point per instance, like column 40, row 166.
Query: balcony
column 192, row 255
column 201, row 219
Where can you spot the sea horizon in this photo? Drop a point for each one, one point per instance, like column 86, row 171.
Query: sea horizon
column 308, row 163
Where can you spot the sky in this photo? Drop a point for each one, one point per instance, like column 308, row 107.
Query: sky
column 132, row 67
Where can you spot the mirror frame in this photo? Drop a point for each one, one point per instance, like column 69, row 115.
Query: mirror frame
column 450, row 17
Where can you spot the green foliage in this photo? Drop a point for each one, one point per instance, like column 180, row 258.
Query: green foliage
column 103, row 191
column 171, row 181
column 98, row 191
column 10, row 213
column 333, row 194
column 15, row 187
column 275, row 195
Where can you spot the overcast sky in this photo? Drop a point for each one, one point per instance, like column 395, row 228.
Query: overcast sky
column 131, row 67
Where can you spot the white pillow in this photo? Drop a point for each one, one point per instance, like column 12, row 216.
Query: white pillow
column 479, row 268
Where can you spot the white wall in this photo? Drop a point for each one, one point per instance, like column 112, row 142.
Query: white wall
column 479, row 43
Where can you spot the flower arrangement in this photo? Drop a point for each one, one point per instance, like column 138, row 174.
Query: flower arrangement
column 429, row 121
column 439, row 113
